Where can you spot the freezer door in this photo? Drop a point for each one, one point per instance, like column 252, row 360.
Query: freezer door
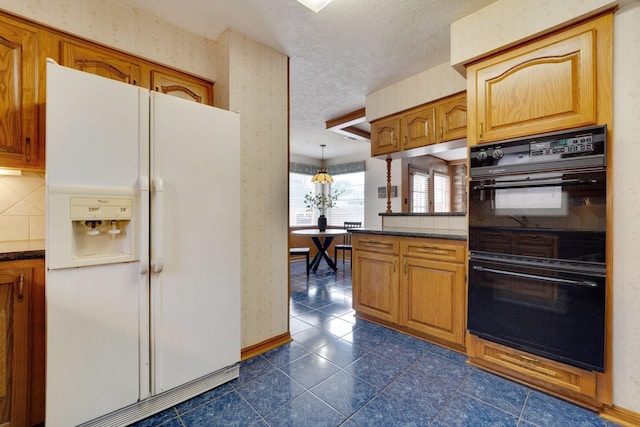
column 92, row 342
column 195, row 240
column 96, row 314
column 93, row 129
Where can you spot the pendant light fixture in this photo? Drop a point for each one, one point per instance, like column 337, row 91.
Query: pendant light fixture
column 322, row 177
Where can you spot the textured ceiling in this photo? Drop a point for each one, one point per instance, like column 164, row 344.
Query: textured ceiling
column 337, row 56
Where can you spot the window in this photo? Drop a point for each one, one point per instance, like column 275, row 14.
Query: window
column 350, row 204
column 441, row 192
column 351, row 200
column 419, row 182
column 299, row 185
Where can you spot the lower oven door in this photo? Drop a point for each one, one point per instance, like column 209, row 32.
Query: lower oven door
column 548, row 309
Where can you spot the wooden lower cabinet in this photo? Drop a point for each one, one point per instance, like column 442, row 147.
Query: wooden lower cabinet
column 376, row 292
column 21, row 352
column 556, row 378
column 433, row 298
column 416, row 285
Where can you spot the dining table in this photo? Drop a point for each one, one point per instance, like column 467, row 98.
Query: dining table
column 322, row 241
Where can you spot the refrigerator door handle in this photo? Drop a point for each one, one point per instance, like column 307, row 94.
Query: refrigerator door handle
column 143, row 268
column 157, row 225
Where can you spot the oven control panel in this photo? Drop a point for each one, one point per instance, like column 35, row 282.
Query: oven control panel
column 569, row 149
column 578, row 144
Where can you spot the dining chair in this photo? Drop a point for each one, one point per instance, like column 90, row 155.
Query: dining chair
column 346, row 243
column 301, row 251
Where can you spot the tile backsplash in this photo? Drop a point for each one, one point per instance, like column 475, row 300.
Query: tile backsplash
column 22, row 207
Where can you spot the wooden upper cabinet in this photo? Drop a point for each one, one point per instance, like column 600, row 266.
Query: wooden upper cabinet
column 385, row 136
column 14, row 346
column 18, row 97
column 182, row 86
column 432, row 123
column 102, row 62
column 418, row 127
column 544, row 86
column 452, row 117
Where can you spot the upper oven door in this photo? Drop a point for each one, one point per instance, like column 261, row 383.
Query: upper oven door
column 545, row 214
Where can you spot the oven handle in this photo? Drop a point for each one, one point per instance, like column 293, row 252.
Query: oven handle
column 586, row 283
column 527, row 184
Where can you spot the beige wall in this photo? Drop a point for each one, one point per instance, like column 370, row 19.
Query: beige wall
column 118, row 25
column 626, row 208
column 253, row 80
column 256, row 78
column 424, row 87
column 487, row 30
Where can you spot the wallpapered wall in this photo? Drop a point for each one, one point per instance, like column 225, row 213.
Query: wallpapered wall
column 257, row 80
column 119, row 25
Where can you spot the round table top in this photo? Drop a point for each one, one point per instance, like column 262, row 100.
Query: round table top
column 317, row 232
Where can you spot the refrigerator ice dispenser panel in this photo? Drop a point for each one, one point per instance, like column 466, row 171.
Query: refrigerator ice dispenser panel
column 96, row 229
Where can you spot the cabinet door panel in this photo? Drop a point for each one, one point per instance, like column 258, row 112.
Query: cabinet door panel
column 14, row 345
column 18, row 96
column 452, row 114
column 182, row 87
column 433, row 298
column 100, row 62
column 419, row 128
column 545, row 86
column 385, row 136
column 375, row 285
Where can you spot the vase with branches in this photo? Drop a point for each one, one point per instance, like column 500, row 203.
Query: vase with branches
column 321, row 202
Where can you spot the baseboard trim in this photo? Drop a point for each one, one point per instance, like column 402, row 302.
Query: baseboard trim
column 264, row 346
column 621, row 416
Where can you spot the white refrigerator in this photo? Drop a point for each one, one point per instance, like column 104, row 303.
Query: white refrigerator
column 142, row 249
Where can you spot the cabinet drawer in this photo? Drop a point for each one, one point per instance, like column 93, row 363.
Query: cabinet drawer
column 433, row 249
column 370, row 243
column 536, row 368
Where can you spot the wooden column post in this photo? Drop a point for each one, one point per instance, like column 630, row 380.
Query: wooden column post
column 388, row 186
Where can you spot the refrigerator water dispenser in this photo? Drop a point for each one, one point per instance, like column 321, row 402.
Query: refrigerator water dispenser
column 91, row 229
column 100, row 226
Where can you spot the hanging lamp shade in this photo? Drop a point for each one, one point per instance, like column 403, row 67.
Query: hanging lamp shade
column 322, row 177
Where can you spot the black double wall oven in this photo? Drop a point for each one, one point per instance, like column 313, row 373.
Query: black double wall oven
column 537, row 238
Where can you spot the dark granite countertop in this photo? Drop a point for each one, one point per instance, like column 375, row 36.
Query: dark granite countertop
column 414, row 232
column 422, row 214
column 27, row 249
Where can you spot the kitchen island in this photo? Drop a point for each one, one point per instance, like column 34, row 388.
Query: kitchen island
column 412, row 280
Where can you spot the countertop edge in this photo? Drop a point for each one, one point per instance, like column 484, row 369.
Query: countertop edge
column 412, row 233
column 422, row 214
column 15, row 250
column 21, row 255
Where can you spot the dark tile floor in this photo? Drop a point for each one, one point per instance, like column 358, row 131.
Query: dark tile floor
column 340, row 370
